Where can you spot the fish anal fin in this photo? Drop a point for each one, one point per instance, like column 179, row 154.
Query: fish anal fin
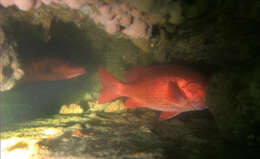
column 168, row 115
column 130, row 103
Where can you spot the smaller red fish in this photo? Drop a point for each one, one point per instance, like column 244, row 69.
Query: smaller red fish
column 172, row 89
column 51, row 70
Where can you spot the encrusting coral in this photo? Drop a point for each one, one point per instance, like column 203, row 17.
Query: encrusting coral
column 114, row 16
column 71, row 109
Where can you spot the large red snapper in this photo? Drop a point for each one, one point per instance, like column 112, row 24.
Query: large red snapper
column 172, row 89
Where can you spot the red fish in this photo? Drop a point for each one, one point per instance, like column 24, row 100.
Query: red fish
column 51, row 70
column 172, row 89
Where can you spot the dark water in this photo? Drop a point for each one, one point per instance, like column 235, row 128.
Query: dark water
column 35, row 100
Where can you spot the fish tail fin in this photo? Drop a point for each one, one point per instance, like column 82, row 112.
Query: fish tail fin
column 112, row 87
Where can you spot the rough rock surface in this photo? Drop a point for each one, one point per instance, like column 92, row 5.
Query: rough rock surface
column 136, row 134
column 235, row 99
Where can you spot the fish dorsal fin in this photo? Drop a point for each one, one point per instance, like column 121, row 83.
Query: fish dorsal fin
column 130, row 103
column 168, row 115
column 134, row 73
column 175, row 94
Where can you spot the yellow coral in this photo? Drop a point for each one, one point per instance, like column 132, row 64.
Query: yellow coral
column 71, row 109
column 117, row 106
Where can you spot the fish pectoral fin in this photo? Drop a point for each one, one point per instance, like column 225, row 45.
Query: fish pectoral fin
column 130, row 103
column 175, row 94
column 168, row 115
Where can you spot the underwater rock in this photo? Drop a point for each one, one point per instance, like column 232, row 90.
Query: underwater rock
column 24, row 4
column 234, row 101
column 47, row 2
column 195, row 8
column 143, row 5
column 95, row 107
column 111, row 14
column 175, row 12
column 160, row 12
column 138, row 29
column 2, row 38
column 111, row 135
column 116, row 106
column 71, row 109
column 125, row 20
column 112, row 27
column 7, row 3
column 75, row 4
column 142, row 44
column 118, row 18
column 105, row 11
column 114, row 15
column 10, row 68
column 28, row 147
